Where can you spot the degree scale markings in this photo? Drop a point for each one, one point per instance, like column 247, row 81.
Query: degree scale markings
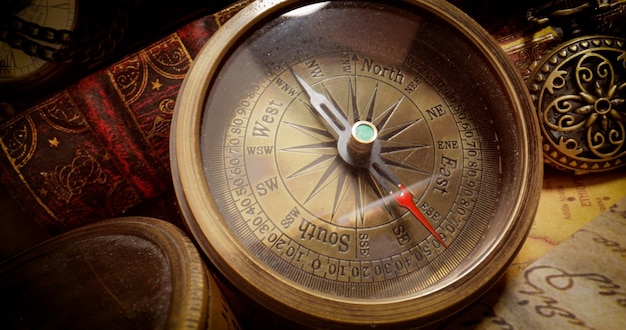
column 297, row 220
column 295, row 239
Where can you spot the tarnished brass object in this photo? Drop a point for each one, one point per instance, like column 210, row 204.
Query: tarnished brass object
column 124, row 273
column 579, row 91
column 352, row 163
column 581, row 17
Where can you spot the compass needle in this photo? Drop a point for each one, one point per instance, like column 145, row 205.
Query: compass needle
column 404, row 198
column 362, row 182
column 326, row 110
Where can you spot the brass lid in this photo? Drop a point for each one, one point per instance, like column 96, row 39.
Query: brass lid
column 132, row 272
column 579, row 90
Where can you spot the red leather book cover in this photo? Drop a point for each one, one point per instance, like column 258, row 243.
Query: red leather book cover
column 100, row 148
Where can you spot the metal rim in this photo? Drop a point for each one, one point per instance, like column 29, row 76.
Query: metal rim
column 192, row 191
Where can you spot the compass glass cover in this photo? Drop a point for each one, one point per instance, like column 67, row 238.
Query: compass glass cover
column 285, row 137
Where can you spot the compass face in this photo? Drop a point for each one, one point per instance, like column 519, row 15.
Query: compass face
column 376, row 162
column 289, row 184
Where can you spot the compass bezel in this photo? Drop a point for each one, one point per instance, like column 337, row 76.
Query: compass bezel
column 256, row 280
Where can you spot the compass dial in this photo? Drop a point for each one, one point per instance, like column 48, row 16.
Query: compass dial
column 290, row 185
column 361, row 171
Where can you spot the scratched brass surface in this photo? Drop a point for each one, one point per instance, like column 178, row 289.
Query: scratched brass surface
column 303, row 229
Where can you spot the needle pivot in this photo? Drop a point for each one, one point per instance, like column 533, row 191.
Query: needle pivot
column 364, row 134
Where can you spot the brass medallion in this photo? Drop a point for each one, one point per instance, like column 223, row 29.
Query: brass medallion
column 356, row 162
column 579, row 90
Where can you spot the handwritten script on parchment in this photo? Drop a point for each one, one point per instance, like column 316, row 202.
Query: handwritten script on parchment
column 581, row 284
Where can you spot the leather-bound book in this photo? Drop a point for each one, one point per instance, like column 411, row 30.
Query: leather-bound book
column 100, row 148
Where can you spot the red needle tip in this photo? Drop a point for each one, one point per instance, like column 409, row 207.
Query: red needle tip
column 404, row 198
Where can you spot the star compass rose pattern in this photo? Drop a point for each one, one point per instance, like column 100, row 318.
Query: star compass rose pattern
column 579, row 91
column 340, row 193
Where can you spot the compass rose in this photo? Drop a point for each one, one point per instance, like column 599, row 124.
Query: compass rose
column 352, row 195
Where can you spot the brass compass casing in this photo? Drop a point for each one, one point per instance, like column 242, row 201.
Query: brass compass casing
column 350, row 163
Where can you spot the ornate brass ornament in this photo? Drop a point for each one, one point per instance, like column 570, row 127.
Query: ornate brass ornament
column 579, row 91
column 356, row 163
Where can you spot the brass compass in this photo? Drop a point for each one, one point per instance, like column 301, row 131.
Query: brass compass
column 351, row 163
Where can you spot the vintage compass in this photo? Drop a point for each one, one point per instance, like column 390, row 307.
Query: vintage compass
column 350, row 163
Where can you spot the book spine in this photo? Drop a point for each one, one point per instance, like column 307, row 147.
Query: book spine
column 100, row 148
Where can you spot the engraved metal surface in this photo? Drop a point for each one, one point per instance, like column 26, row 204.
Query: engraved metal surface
column 320, row 228
column 330, row 220
column 579, row 91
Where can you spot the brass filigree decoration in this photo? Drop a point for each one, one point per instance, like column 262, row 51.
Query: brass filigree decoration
column 579, row 91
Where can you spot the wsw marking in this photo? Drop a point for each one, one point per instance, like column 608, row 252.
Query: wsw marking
column 260, row 150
